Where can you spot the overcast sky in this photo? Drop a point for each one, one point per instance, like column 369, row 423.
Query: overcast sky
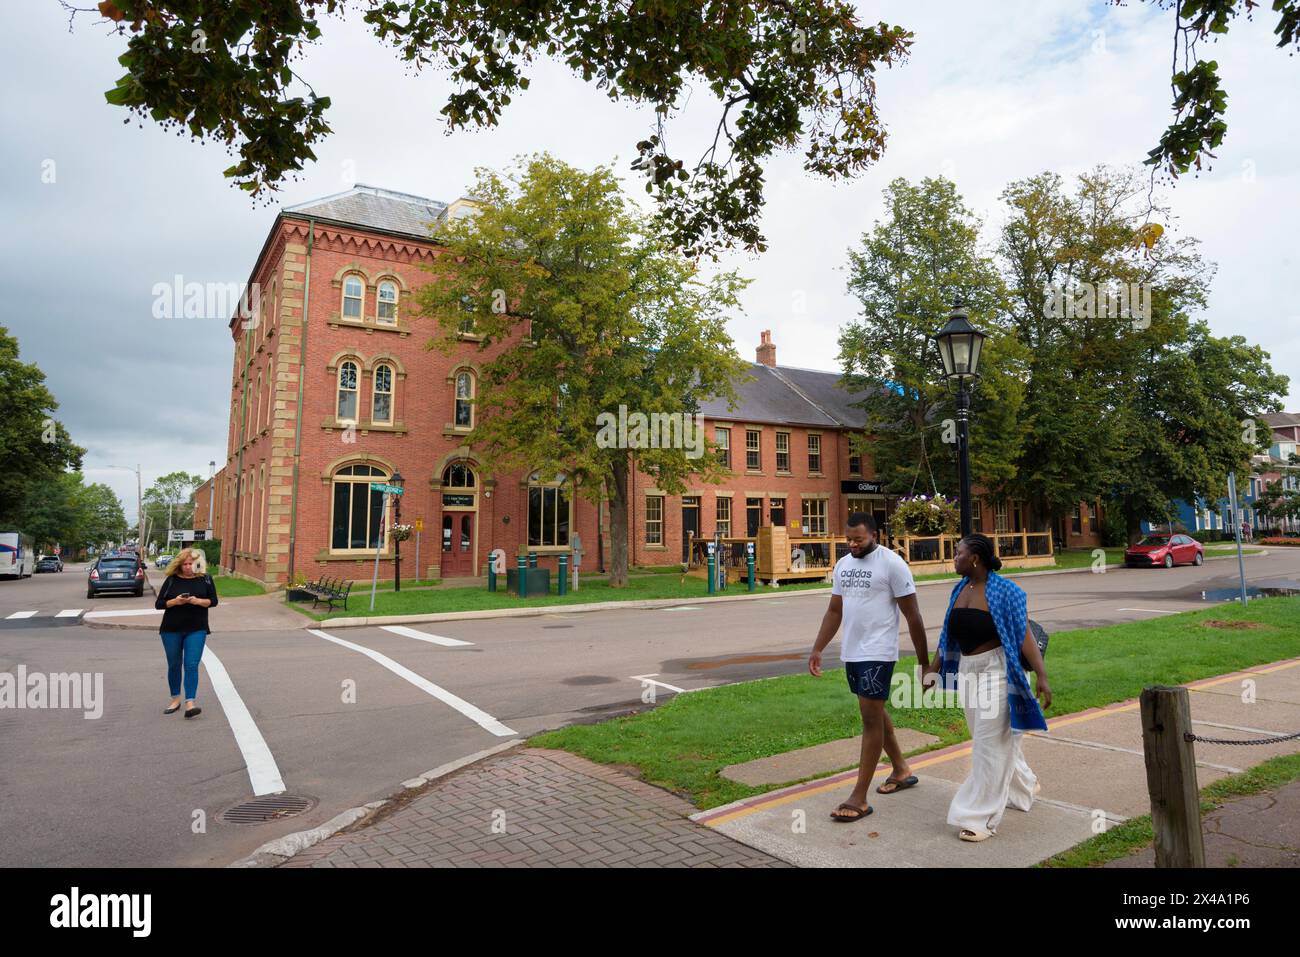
column 994, row 90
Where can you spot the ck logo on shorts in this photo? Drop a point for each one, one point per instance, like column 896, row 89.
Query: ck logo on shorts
column 854, row 579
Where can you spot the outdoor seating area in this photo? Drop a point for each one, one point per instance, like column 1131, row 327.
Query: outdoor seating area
column 328, row 590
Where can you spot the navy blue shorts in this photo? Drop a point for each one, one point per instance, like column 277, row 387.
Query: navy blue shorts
column 869, row 679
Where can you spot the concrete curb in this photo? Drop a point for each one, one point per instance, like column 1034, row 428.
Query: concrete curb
column 537, row 610
column 274, row 853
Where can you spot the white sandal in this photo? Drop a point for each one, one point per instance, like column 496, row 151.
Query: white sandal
column 974, row 836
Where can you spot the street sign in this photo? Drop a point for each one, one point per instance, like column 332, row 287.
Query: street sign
column 419, row 524
column 187, row 535
column 386, row 489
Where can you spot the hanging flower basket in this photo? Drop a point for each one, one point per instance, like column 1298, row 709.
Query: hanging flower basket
column 400, row 533
column 927, row 515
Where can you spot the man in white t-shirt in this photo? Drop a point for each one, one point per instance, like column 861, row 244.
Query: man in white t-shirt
column 871, row 586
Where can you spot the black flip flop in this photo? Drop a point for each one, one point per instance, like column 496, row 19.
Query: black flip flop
column 193, row 712
column 907, row 782
column 859, row 814
column 171, row 710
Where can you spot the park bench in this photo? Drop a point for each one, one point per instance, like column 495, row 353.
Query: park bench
column 337, row 590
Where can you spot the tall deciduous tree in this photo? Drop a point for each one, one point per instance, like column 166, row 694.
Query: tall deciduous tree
column 580, row 309
column 918, row 261
column 34, row 447
column 169, row 503
column 1132, row 399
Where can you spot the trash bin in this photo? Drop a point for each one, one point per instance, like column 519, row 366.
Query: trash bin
column 539, row 581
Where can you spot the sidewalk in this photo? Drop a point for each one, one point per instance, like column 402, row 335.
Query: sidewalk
column 1090, row 765
column 247, row 613
column 541, row 808
column 535, row 808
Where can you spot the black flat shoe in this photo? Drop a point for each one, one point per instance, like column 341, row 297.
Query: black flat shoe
column 172, row 710
column 193, row 712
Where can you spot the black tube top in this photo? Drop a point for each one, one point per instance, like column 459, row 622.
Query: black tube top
column 972, row 627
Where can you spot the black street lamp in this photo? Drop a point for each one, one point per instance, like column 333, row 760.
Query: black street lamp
column 959, row 347
column 397, row 542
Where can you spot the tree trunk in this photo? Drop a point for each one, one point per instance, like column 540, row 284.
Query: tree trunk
column 618, row 526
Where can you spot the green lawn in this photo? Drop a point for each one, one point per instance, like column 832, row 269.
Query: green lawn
column 1136, row 833
column 230, row 587
column 684, row 743
column 434, row 601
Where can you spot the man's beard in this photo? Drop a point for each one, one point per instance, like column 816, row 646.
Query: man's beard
column 866, row 550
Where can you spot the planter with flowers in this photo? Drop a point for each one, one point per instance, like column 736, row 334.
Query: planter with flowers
column 927, row 515
column 400, row 533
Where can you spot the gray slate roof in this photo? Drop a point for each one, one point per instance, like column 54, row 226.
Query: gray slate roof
column 789, row 396
column 383, row 210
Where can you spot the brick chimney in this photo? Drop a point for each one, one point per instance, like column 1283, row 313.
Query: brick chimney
column 766, row 348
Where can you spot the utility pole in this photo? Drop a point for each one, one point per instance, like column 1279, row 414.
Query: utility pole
column 212, row 493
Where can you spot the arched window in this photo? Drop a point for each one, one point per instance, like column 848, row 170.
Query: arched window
column 382, row 403
column 459, row 488
column 459, row 475
column 387, row 306
column 353, row 297
column 347, row 404
column 357, row 511
column 465, row 400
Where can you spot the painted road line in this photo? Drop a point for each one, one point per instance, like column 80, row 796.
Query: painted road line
column 263, row 773
column 482, row 718
column 682, row 608
column 1156, row 611
column 69, row 613
column 645, row 680
column 425, row 636
column 20, row 614
column 122, row 612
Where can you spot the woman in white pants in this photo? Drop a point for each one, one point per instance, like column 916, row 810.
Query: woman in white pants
column 985, row 632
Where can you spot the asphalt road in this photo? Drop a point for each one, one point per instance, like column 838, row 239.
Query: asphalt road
column 344, row 724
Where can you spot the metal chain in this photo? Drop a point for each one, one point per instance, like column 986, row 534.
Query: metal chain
column 1189, row 736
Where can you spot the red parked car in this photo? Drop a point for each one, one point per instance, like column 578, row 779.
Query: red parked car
column 1166, row 550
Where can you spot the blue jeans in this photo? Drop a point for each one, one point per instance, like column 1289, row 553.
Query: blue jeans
column 183, row 649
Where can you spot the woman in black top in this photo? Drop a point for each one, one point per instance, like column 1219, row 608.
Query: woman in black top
column 186, row 594
column 999, row 776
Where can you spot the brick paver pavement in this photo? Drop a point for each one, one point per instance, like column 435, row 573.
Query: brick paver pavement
column 536, row 808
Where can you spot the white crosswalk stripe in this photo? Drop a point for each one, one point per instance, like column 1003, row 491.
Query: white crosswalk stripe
column 69, row 613
column 425, row 636
column 21, row 614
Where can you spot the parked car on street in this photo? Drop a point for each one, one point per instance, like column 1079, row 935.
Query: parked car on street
column 118, row 573
column 1166, row 550
column 49, row 563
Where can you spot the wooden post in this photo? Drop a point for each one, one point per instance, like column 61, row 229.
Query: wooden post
column 1171, row 777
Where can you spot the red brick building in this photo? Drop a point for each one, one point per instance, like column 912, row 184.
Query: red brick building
column 332, row 388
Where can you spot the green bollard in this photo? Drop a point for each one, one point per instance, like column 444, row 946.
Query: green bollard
column 564, row 575
column 492, row 575
column 522, row 572
column 532, row 559
column 713, row 573
column 749, row 564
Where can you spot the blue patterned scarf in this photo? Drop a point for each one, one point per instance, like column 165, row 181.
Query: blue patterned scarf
column 1010, row 613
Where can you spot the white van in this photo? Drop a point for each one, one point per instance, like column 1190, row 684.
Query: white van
column 17, row 559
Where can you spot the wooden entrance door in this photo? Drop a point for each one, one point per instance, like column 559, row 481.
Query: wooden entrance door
column 457, row 544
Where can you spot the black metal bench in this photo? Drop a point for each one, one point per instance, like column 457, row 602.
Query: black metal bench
column 338, row 590
column 319, row 590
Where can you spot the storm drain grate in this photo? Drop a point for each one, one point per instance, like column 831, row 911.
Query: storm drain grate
column 264, row 809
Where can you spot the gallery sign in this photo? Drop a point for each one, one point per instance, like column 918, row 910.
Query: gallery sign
column 859, row 487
